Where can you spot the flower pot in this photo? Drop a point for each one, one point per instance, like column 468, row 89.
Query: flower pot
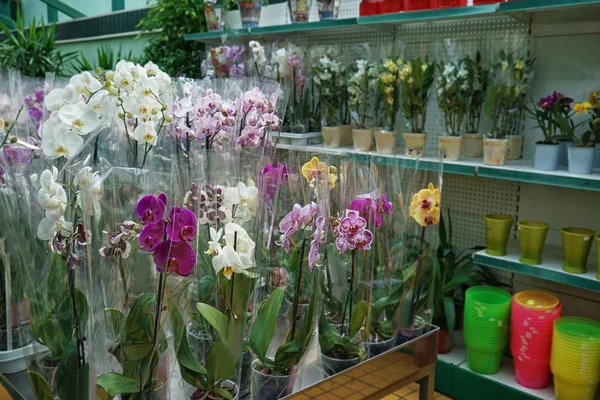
column 407, row 334
column 581, row 159
column 363, row 139
column 47, row 369
column 532, row 236
column 497, row 231
column 215, row 17
column 250, row 13
column 414, row 144
column 546, row 156
column 271, row 387
column 385, row 141
column 597, row 157
column 494, row 151
column 577, row 243
column 199, row 341
column 346, row 135
column 193, row 394
column 450, row 147
column 332, row 136
column 444, row 342
column 300, row 10
column 21, row 337
column 333, row 366
column 472, row 144
column 377, row 348
column 563, row 157
column 326, row 9
column 515, row 147
column 598, row 257
column 246, row 374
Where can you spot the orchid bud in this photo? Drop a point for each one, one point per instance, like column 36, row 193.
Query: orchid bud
column 110, row 75
column 129, row 115
column 13, row 139
column 164, row 108
column 169, row 118
column 154, row 111
column 99, row 70
column 121, row 115
column 112, row 90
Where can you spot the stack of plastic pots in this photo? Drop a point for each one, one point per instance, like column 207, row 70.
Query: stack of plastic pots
column 575, row 360
column 532, row 317
column 485, row 331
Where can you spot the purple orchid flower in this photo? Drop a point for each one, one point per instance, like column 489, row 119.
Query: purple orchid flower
column 353, row 223
column 308, row 213
column 182, row 225
column 319, row 238
column 151, row 209
column 16, row 156
column 271, row 178
column 384, row 206
column 152, row 235
column 351, row 233
column 367, row 209
column 174, row 257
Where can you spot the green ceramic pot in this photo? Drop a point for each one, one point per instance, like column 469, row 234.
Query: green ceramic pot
column 532, row 236
column 497, row 231
column 577, row 243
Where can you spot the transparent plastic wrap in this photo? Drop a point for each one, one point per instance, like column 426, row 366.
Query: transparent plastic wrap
column 225, row 61
column 362, row 84
column 344, row 326
column 328, row 85
column 412, row 270
column 289, row 256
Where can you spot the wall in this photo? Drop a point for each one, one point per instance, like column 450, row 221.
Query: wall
column 38, row 9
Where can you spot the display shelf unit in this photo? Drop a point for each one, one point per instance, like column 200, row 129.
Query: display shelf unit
column 550, row 269
column 522, row 9
column 520, row 171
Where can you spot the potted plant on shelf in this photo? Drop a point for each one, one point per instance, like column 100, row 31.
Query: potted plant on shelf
column 389, row 93
column 250, row 12
column 546, row 113
column 452, row 93
column 581, row 153
column 505, row 101
column 300, row 10
column 472, row 144
column 214, row 12
column 288, row 71
column 361, row 87
column 329, row 78
column 416, row 79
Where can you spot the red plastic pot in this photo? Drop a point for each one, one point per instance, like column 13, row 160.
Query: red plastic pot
column 414, row 5
column 532, row 376
column 451, row 3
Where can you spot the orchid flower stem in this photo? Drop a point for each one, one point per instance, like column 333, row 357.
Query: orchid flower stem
column 123, row 279
column 349, row 298
column 231, row 284
column 419, row 274
column 96, row 142
column 159, row 297
column 298, row 289
column 77, row 330
column 10, row 128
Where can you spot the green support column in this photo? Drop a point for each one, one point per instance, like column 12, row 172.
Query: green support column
column 64, row 8
column 52, row 14
column 118, row 5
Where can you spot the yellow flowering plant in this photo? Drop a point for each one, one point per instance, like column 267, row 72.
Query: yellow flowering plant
column 389, row 79
column 416, row 78
column 590, row 107
column 315, row 169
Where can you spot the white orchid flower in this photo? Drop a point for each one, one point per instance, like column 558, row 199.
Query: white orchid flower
column 244, row 244
column 213, row 244
column 59, row 140
column 52, row 196
column 124, row 80
column 79, row 117
column 60, row 97
column 101, row 103
column 146, row 87
column 230, row 262
column 151, row 68
column 85, row 83
column 88, row 198
column 146, row 133
column 48, row 227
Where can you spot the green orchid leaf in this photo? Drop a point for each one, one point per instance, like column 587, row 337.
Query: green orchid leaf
column 113, row 384
column 41, row 389
column 224, row 393
column 215, row 318
column 450, row 313
column 288, row 355
column 358, row 317
column 327, row 342
column 117, row 321
column 394, row 297
column 51, row 335
column 263, row 328
column 68, row 374
column 220, row 362
column 65, row 311
column 182, row 347
column 139, row 329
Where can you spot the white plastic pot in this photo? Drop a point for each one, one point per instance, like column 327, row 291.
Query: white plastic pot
column 563, row 157
column 546, row 156
column 597, row 157
column 581, row 160
column 450, row 147
column 515, row 147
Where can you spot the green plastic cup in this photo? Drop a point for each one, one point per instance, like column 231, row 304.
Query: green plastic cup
column 598, row 257
column 483, row 362
column 577, row 243
column 497, row 230
column 532, row 236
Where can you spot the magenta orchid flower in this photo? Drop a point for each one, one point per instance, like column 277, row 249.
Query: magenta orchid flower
column 182, row 226
column 151, row 209
column 174, row 257
column 351, row 233
column 152, row 235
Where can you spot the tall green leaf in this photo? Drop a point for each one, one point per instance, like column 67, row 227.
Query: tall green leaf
column 358, row 317
column 68, row 374
column 220, row 363
column 41, row 389
column 215, row 318
column 263, row 328
column 139, row 328
column 113, row 384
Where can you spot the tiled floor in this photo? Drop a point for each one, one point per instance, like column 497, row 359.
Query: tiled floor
column 411, row 392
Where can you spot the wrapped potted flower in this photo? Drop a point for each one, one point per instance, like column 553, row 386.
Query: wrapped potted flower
column 416, row 79
column 472, row 138
column 360, row 96
column 546, row 113
column 581, row 153
column 214, row 12
column 288, row 70
column 329, row 79
column 505, row 101
column 250, row 12
column 389, row 92
column 300, row 10
column 452, row 93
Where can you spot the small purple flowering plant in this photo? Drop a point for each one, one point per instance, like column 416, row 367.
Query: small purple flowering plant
column 551, row 113
column 259, row 119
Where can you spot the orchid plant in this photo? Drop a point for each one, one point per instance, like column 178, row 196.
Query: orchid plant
column 259, row 120
column 329, row 78
column 225, row 61
column 549, row 112
column 452, row 94
column 477, row 79
column 288, row 71
column 416, row 78
column 259, row 59
column 389, row 87
column 361, row 87
column 592, row 135
column 505, row 98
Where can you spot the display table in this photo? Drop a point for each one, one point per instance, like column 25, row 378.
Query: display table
column 412, row 361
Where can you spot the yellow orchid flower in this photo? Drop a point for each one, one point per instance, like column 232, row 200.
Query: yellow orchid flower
column 313, row 169
column 579, row 107
column 593, row 98
column 332, row 178
column 424, row 204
